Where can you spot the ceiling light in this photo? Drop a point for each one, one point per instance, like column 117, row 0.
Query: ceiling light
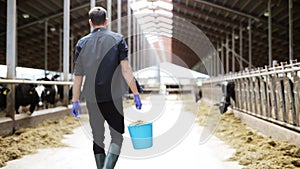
column 220, row 49
column 248, row 27
column 52, row 29
column 266, row 14
column 26, row 16
column 236, row 37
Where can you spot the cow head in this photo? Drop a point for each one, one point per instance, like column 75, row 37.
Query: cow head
column 228, row 92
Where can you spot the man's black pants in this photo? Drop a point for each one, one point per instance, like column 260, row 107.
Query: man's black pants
column 112, row 113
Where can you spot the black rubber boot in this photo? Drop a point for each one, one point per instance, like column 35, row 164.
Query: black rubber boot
column 100, row 158
column 112, row 156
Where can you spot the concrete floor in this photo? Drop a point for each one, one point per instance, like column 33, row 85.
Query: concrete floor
column 187, row 154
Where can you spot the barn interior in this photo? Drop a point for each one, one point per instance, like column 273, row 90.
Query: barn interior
column 214, row 58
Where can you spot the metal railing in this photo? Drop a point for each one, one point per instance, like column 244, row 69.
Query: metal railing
column 10, row 109
column 269, row 93
column 16, row 81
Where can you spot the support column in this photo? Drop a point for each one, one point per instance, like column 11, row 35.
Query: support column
column 129, row 30
column 134, row 44
column 217, row 59
column 119, row 15
column 291, row 41
column 227, row 54
column 93, row 4
column 144, row 52
column 109, row 14
column 138, row 46
column 270, row 31
column 72, row 53
column 250, row 42
column 233, row 51
column 46, row 47
column 222, row 59
column 60, row 49
column 217, row 62
column 11, row 56
column 241, row 47
column 141, row 47
column 212, row 57
column 66, row 48
column 214, row 63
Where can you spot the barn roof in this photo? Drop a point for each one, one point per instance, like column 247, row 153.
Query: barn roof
column 215, row 18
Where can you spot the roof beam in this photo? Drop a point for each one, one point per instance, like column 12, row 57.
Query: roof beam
column 276, row 51
column 194, row 11
column 221, row 29
column 52, row 16
column 218, row 37
column 257, row 33
column 211, row 4
column 254, row 6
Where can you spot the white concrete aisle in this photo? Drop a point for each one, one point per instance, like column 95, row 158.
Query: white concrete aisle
column 189, row 154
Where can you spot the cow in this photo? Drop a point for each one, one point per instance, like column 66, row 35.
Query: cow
column 25, row 95
column 3, row 93
column 46, row 93
column 70, row 92
column 48, row 96
column 228, row 92
column 60, row 89
column 198, row 94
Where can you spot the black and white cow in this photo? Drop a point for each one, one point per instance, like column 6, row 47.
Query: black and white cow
column 25, row 95
column 60, row 89
column 46, row 93
column 228, row 92
column 54, row 93
column 198, row 94
column 3, row 93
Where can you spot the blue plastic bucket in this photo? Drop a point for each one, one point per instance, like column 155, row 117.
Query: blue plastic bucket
column 141, row 135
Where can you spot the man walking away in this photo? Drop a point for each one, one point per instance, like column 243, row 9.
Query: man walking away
column 101, row 57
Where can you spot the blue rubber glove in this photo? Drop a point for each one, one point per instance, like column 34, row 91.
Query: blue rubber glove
column 137, row 100
column 76, row 108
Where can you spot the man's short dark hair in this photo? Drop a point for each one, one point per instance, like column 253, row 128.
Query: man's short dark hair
column 97, row 15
